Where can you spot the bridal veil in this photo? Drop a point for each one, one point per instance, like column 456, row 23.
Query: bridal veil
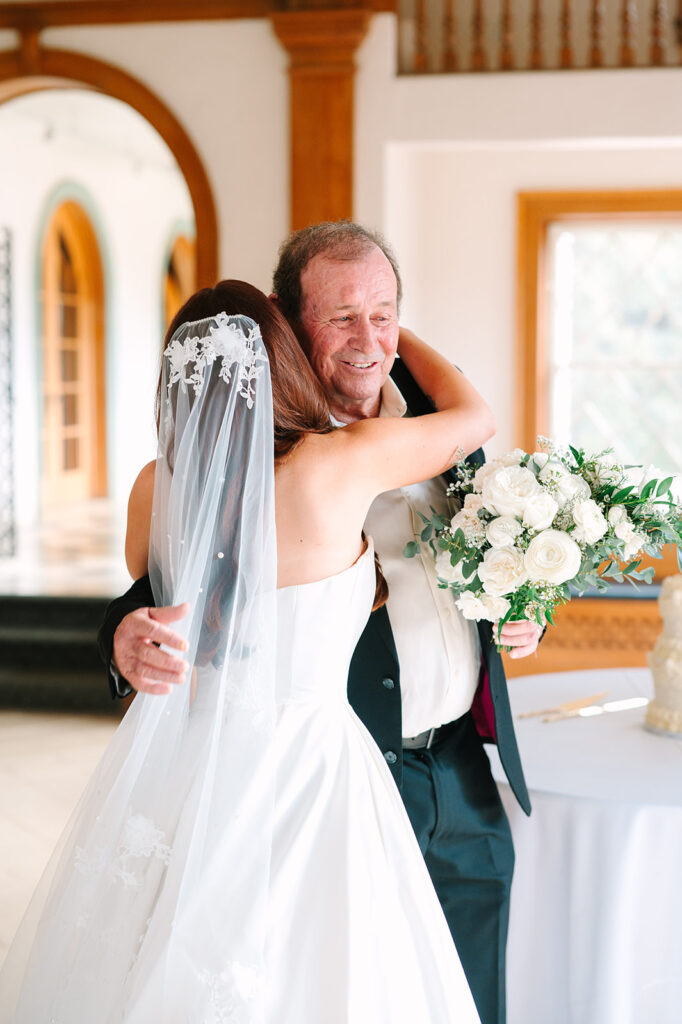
column 129, row 920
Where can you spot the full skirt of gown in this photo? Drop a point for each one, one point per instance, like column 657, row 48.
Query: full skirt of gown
column 354, row 931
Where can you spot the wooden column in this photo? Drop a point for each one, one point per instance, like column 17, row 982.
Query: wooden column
column 321, row 46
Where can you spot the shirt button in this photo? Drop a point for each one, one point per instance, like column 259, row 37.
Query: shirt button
column 388, row 683
column 391, row 757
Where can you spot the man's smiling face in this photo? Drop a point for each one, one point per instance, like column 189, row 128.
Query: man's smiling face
column 349, row 314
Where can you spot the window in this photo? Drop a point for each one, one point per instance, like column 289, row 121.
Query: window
column 614, row 364
column 600, row 324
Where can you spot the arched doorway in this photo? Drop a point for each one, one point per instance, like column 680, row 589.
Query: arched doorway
column 52, row 68
column 64, row 537
column 72, row 301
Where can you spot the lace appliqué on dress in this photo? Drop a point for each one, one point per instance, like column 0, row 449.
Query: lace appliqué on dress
column 140, row 838
column 230, row 993
column 227, row 342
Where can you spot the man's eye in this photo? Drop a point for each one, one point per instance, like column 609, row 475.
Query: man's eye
column 342, row 319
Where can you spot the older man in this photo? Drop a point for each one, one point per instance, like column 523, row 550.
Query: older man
column 428, row 684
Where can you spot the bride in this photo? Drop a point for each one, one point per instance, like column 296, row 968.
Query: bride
column 242, row 853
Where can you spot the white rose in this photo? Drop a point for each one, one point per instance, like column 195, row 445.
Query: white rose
column 552, row 557
column 506, row 492
column 502, row 571
column 473, row 502
column 483, row 472
column 540, row 511
column 633, row 540
column 617, row 514
column 512, row 458
column 496, row 607
column 564, row 485
column 501, row 532
column 471, row 526
column 540, row 459
column 572, row 487
column 446, row 571
column 552, row 471
column 471, row 607
column 606, row 471
column 591, row 524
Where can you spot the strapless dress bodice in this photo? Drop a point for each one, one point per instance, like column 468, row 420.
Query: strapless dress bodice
column 318, row 627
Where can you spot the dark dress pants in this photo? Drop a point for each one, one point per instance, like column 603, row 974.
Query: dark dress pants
column 456, row 812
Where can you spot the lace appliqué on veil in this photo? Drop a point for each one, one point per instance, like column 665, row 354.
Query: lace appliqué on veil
column 140, row 838
column 227, row 342
column 230, row 993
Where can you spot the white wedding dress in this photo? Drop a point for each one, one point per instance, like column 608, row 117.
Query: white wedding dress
column 354, row 933
column 241, row 854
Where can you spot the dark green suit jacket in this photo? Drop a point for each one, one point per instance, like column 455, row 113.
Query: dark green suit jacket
column 374, row 676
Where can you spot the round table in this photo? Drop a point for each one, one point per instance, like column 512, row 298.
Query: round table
column 595, row 932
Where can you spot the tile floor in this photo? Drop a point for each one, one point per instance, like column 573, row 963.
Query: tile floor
column 75, row 549
column 47, row 758
column 45, row 761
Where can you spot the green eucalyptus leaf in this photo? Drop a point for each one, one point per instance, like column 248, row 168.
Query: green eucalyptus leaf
column 648, row 489
column 411, row 549
column 664, row 486
column 426, row 532
column 645, row 575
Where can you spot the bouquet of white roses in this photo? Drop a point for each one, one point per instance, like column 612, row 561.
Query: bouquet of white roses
column 533, row 528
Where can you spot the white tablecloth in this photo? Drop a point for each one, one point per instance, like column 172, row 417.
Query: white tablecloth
column 595, row 933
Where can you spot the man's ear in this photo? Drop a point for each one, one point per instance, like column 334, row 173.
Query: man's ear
column 274, row 298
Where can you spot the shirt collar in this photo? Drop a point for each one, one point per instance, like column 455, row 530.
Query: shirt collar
column 393, row 405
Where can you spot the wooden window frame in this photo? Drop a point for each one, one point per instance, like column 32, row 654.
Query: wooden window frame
column 536, row 211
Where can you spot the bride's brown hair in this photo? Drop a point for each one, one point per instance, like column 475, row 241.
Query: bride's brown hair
column 298, row 400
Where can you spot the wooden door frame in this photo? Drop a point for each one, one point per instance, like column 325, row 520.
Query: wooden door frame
column 89, row 267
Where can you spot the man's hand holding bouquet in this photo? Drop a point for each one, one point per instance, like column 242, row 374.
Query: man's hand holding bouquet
column 530, row 530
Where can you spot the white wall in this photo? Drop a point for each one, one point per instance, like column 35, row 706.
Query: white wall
column 440, row 159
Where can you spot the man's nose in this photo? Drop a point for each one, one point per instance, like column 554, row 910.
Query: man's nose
column 364, row 335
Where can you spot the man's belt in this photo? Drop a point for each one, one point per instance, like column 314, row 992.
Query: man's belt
column 425, row 740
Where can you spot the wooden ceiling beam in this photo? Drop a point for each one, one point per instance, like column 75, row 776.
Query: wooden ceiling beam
column 41, row 14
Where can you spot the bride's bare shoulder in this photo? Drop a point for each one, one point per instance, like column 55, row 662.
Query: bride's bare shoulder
column 139, row 521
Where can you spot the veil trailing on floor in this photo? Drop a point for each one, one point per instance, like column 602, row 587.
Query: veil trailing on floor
column 136, row 919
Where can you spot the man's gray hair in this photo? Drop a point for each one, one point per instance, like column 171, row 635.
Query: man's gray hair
column 341, row 240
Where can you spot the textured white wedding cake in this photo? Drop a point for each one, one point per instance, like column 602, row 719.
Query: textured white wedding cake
column 664, row 713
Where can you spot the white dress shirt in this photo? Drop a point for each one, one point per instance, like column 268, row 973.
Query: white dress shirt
column 438, row 649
